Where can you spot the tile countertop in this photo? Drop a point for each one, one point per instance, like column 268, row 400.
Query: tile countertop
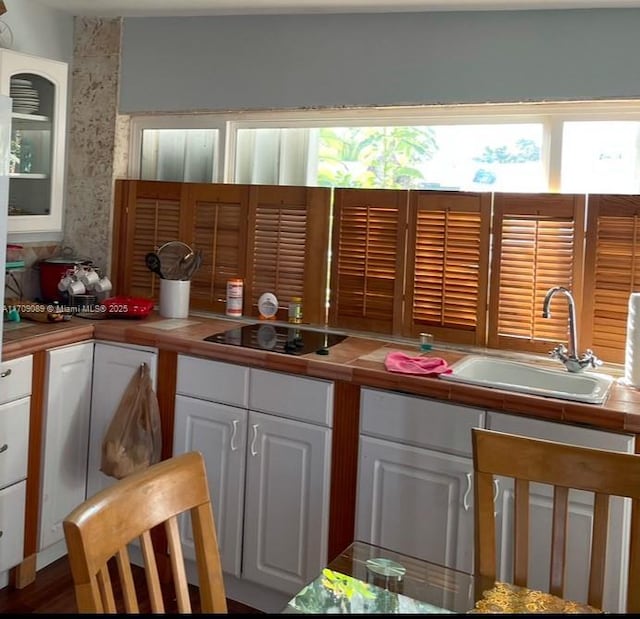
column 357, row 359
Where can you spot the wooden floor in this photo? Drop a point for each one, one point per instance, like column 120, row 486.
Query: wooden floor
column 52, row 592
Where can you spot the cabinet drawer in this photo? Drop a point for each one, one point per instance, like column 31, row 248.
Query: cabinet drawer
column 15, row 378
column 12, row 501
column 14, row 441
column 213, row 380
column 419, row 421
column 560, row 432
column 297, row 397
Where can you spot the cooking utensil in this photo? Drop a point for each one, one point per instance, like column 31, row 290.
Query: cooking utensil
column 191, row 265
column 172, row 256
column 153, row 264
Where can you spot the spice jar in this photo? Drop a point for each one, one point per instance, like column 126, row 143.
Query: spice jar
column 235, row 291
column 295, row 310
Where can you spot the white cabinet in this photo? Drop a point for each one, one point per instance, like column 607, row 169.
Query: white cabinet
column 415, row 477
column 67, row 409
column 287, row 502
column 273, row 429
column 15, row 402
column 38, row 88
column 113, row 367
column 580, row 516
column 219, row 432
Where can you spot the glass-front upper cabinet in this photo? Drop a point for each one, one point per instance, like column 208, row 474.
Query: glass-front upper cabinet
column 38, row 89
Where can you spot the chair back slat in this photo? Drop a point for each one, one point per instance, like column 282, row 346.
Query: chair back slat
column 126, row 580
column 521, row 532
column 177, row 565
column 100, row 529
column 558, row 539
column 485, row 539
column 598, row 549
column 206, row 545
column 154, row 587
column 107, row 600
column 633, row 591
column 564, row 467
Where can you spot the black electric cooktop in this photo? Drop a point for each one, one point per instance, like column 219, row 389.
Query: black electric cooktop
column 275, row 338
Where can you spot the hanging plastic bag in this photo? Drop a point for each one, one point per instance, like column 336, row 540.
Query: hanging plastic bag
column 133, row 439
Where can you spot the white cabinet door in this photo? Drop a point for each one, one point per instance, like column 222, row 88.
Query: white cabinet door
column 415, row 476
column 113, row 368
column 218, row 432
column 67, row 409
column 580, row 516
column 416, row 501
column 287, row 501
column 269, row 472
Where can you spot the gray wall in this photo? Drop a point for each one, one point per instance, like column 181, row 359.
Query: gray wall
column 293, row 61
column 40, row 30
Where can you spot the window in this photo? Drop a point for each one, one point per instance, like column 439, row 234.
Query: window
column 449, row 219
column 574, row 147
column 471, row 157
column 180, row 147
column 179, row 154
column 601, row 156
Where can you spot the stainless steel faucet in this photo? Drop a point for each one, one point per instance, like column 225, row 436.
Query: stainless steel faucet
column 569, row 356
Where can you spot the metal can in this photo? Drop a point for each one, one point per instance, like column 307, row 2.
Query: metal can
column 295, row 310
column 234, row 297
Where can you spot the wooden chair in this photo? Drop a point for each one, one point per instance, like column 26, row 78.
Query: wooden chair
column 605, row 473
column 101, row 527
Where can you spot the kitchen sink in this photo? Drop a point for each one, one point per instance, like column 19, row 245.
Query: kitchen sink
column 589, row 387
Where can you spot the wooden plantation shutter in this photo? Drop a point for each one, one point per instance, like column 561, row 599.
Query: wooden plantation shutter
column 368, row 257
column 537, row 244
column 217, row 221
column 447, row 265
column 288, row 248
column 147, row 214
column 612, row 272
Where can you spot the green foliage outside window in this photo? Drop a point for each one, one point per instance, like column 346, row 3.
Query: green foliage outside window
column 374, row 157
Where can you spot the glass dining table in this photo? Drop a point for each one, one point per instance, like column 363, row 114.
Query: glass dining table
column 369, row 579
column 365, row 578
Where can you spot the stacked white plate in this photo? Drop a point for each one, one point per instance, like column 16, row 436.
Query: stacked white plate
column 26, row 99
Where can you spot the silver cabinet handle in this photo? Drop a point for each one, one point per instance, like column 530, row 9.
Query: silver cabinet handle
column 496, row 490
column 4, row 448
column 255, row 427
column 233, row 435
column 465, row 498
column 6, row 373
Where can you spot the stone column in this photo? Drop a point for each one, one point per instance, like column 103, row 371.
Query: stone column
column 98, row 139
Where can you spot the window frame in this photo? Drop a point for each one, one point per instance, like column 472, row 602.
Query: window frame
column 551, row 114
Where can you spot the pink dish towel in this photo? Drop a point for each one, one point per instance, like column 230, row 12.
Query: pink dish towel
column 399, row 362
